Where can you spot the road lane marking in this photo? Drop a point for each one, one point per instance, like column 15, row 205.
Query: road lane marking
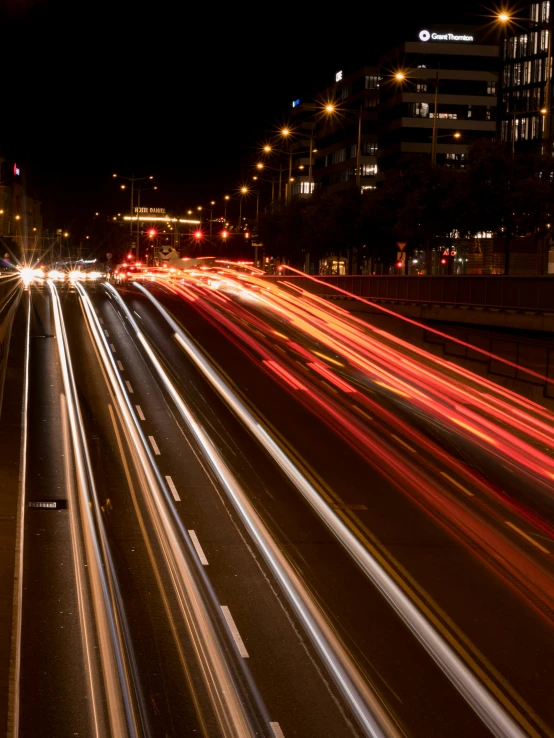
column 106, row 332
column 120, row 365
column 457, row 484
column 129, row 387
column 154, row 445
column 198, row 547
column 527, row 538
column 112, row 347
column 234, row 631
column 276, row 728
column 173, row 489
column 362, row 412
column 101, row 319
column 403, row 443
column 140, row 413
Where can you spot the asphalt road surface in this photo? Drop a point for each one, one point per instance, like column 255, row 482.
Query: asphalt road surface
column 272, row 521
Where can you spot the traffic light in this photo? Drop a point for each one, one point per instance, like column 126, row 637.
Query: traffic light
column 198, row 235
column 247, row 235
column 443, row 261
column 399, row 264
column 224, row 234
column 129, row 256
column 152, row 232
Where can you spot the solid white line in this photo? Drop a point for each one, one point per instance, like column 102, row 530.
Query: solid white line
column 15, row 661
column 276, row 728
column 112, row 347
column 198, row 547
column 120, row 365
column 129, row 386
column 140, row 413
column 234, row 631
column 173, row 489
column 154, row 445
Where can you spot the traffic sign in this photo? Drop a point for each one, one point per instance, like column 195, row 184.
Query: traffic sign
column 401, row 256
column 109, row 256
column 401, row 245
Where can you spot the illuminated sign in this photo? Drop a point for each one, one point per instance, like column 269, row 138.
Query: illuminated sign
column 338, row 76
column 426, row 35
column 15, row 169
column 150, row 210
column 296, row 103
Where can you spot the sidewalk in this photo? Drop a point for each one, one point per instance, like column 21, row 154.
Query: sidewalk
column 10, row 446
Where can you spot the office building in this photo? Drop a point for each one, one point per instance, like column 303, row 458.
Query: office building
column 524, row 98
column 438, row 93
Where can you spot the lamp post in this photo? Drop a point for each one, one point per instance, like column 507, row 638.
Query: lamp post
column 212, row 203
column 401, row 77
column 139, row 190
column 226, row 199
column 132, row 180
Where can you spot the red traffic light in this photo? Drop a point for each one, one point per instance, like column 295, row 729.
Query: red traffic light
column 198, row 235
column 224, row 234
column 443, row 261
column 129, row 256
column 399, row 264
column 152, row 232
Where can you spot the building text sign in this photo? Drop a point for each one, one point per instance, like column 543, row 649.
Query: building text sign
column 151, row 211
column 428, row 36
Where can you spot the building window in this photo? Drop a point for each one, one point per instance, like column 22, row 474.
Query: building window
column 544, row 40
column 491, row 88
column 339, row 156
column 534, row 12
column 523, row 41
column 420, row 110
column 527, row 72
column 516, row 74
column 545, row 12
column 445, row 116
column 368, row 170
column 369, row 148
column 372, row 82
column 345, row 92
column 303, row 188
column 353, row 151
column 421, row 87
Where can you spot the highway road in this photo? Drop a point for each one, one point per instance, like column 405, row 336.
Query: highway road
column 273, row 520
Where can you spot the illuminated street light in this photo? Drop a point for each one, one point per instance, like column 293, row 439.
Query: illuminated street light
column 399, row 76
column 267, row 149
column 457, row 134
column 259, row 165
column 330, row 108
column 503, row 17
column 285, row 132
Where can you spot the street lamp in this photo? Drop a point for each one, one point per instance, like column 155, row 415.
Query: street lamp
column 401, row 76
column 226, row 199
column 132, row 180
column 139, row 190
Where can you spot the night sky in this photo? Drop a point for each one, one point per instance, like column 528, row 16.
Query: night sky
column 186, row 94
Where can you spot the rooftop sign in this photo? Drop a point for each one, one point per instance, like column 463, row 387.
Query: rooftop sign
column 427, row 35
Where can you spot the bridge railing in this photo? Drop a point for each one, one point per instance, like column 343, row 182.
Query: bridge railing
column 504, row 293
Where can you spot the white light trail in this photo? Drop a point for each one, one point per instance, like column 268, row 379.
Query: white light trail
column 474, row 692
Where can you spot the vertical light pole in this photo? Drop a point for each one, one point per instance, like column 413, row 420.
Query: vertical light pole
column 359, row 153
column 226, row 198
column 310, row 167
column 212, row 203
column 132, row 180
column 435, row 120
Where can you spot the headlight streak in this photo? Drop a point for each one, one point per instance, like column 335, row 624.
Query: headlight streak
column 117, row 688
column 478, row 697
column 223, row 692
column 369, row 713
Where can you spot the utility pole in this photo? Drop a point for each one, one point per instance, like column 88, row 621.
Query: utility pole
column 359, row 153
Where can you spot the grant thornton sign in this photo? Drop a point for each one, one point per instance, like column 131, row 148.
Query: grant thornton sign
column 456, row 37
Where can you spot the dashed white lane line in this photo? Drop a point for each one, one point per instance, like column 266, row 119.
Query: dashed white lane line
column 120, row 365
column 154, row 445
column 106, row 332
column 129, row 386
column 173, row 489
column 112, row 347
column 198, row 547
column 140, row 413
column 234, row 631
column 276, row 728
column 527, row 538
column 457, row 484
column 101, row 320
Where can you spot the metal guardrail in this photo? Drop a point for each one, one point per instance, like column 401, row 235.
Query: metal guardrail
column 497, row 292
